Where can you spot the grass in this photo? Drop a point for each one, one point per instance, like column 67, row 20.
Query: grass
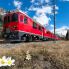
column 45, row 55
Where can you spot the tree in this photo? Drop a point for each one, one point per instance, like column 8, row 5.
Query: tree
column 2, row 12
column 67, row 35
column 0, row 20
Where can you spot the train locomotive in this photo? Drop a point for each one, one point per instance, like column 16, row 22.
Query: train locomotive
column 17, row 26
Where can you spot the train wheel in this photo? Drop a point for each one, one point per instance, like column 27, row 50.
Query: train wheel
column 23, row 38
column 27, row 38
column 30, row 38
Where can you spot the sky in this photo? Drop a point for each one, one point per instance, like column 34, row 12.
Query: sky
column 42, row 12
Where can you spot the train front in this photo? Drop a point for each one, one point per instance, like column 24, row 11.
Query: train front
column 10, row 27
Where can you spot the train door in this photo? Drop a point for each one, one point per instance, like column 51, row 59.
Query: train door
column 42, row 32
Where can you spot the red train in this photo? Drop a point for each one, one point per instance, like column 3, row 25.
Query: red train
column 17, row 26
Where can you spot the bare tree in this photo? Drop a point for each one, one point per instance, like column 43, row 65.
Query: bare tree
column 67, row 35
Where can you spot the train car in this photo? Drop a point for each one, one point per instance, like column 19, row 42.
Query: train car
column 17, row 26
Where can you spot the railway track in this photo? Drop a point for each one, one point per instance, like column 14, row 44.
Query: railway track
column 6, row 44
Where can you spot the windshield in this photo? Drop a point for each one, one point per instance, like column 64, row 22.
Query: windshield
column 9, row 18
column 14, row 17
column 6, row 19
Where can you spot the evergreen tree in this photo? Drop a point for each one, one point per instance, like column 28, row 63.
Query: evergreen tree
column 0, row 20
column 67, row 35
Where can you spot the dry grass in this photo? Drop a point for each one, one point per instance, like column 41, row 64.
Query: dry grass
column 45, row 55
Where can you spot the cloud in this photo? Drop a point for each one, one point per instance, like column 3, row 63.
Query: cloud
column 47, row 1
column 61, row 31
column 41, row 14
column 41, row 1
column 32, row 1
column 41, row 11
column 65, row 0
column 17, row 4
column 42, row 19
column 44, row 9
column 52, row 25
column 56, row 7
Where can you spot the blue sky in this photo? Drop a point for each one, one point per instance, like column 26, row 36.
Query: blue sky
column 42, row 12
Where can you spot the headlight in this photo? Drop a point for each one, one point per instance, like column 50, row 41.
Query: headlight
column 14, row 27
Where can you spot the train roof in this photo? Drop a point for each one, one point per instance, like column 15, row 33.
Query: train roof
column 14, row 11
column 29, row 17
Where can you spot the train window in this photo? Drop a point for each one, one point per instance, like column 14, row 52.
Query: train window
column 25, row 19
column 48, row 32
column 40, row 28
column 14, row 17
column 21, row 18
column 5, row 19
column 34, row 25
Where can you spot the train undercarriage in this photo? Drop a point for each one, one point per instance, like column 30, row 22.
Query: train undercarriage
column 23, row 36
